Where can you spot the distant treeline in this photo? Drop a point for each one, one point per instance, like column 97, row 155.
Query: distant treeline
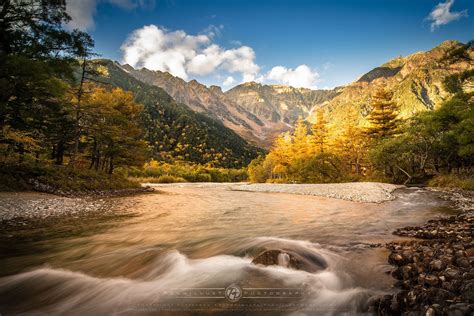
column 156, row 172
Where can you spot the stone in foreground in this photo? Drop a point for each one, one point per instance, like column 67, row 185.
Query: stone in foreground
column 308, row 262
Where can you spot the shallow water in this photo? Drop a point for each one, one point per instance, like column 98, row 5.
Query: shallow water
column 204, row 238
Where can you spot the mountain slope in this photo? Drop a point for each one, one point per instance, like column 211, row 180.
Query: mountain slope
column 415, row 80
column 209, row 101
column 256, row 112
column 174, row 131
column 278, row 104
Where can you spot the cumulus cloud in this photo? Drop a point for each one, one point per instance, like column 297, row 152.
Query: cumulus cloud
column 82, row 12
column 228, row 81
column 181, row 54
column 441, row 14
column 300, row 77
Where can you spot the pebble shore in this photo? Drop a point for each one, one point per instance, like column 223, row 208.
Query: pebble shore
column 26, row 206
column 435, row 269
column 368, row 192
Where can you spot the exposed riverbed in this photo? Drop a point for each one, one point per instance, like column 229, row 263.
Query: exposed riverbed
column 203, row 236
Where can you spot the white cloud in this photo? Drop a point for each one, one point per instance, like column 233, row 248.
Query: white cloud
column 181, row 54
column 235, row 43
column 213, row 30
column 300, row 77
column 228, row 81
column 187, row 56
column 82, row 12
column 441, row 15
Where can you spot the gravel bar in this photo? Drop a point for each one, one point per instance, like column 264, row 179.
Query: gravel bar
column 368, row 192
column 35, row 206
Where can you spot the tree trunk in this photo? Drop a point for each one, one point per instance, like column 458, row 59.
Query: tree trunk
column 21, row 154
column 78, row 115
column 59, row 153
column 408, row 175
column 111, row 165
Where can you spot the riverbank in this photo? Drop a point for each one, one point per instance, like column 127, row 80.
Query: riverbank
column 435, row 270
column 368, row 192
column 66, row 182
column 30, row 209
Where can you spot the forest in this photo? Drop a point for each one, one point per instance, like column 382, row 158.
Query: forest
column 435, row 146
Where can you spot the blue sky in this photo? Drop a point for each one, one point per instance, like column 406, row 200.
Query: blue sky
column 302, row 43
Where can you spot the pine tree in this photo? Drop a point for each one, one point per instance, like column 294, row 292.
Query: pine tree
column 319, row 132
column 383, row 117
column 300, row 140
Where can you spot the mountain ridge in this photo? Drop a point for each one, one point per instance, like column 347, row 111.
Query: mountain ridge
column 239, row 108
column 174, row 131
column 259, row 112
column 416, row 81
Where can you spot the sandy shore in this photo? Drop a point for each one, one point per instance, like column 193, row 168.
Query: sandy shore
column 369, row 192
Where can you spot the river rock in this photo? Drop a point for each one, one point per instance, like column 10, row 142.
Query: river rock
column 437, row 265
column 309, row 262
column 468, row 291
column 460, row 309
column 434, row 269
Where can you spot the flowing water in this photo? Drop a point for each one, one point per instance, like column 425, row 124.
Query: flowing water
column 185, row 246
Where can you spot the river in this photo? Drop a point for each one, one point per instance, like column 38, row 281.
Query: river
column 185, row 246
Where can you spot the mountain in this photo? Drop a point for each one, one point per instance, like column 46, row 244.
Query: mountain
column 278, row 105
column 256, row 112
column 416, row 82
column 174, row 131
column 209, row 101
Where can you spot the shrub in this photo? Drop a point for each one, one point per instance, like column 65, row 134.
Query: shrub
column 170, row 179
column 452, row 181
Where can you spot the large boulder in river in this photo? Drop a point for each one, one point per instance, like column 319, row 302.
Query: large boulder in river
column 309, row 262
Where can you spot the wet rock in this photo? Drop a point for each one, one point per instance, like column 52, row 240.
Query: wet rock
column 468, row 291
column 463, row 263
column 395, row 258
column 309, row 262
column 431, row 280
column 469, row 275
column 460, row 309
column 452, row 273
column 437, row 265
column 440, row 295
column 435, row 270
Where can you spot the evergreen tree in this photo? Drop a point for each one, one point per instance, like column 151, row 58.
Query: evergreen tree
column 37, row 56
column 300, row 140
column 383, row 117
column 319, row 132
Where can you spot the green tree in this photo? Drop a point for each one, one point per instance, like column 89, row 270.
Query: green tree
column 37, row 57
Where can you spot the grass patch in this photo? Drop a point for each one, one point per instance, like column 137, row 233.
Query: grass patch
column 160, row 179
column 452, row 181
